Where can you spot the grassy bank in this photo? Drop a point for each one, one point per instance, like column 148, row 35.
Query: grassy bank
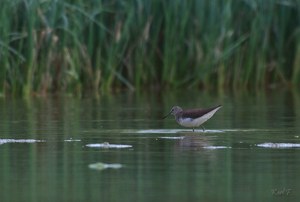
column 76, row 46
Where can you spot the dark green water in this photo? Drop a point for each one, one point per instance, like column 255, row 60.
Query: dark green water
column 250, row 150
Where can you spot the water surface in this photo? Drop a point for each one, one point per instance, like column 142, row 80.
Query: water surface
column 117, row 148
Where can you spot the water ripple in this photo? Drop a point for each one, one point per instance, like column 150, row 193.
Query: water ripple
column 173, row 138
column 170, row 131
column 217, row 147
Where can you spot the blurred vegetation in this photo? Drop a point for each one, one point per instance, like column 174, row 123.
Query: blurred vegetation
column 75, row 46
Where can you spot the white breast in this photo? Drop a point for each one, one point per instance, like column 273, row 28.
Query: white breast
column 189, row 122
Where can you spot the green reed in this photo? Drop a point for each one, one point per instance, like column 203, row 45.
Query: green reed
column 78, row 46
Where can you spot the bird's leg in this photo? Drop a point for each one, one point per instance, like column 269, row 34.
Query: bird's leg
column 193, row 130
column 203, row 128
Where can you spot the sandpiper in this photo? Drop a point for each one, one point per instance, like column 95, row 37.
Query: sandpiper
column 192, row 117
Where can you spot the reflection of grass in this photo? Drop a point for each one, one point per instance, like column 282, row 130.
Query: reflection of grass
column 100, row 45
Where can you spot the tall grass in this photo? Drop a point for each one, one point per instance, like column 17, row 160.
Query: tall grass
column 78, row 46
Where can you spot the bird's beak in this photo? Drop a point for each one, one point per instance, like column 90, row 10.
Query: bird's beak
column 167, row 115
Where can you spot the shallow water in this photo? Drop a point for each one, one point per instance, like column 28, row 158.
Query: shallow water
column 117, row 148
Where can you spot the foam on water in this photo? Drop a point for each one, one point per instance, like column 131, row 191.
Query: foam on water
column 107, row 145
column 278, row 145
column 103, row 166
column 4, row 141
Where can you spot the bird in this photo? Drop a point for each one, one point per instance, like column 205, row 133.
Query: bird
column 192, row 117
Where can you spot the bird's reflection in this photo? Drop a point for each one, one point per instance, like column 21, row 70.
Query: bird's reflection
column 194, row 141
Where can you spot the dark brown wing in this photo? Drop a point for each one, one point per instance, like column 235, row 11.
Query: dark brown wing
column 195, row 113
